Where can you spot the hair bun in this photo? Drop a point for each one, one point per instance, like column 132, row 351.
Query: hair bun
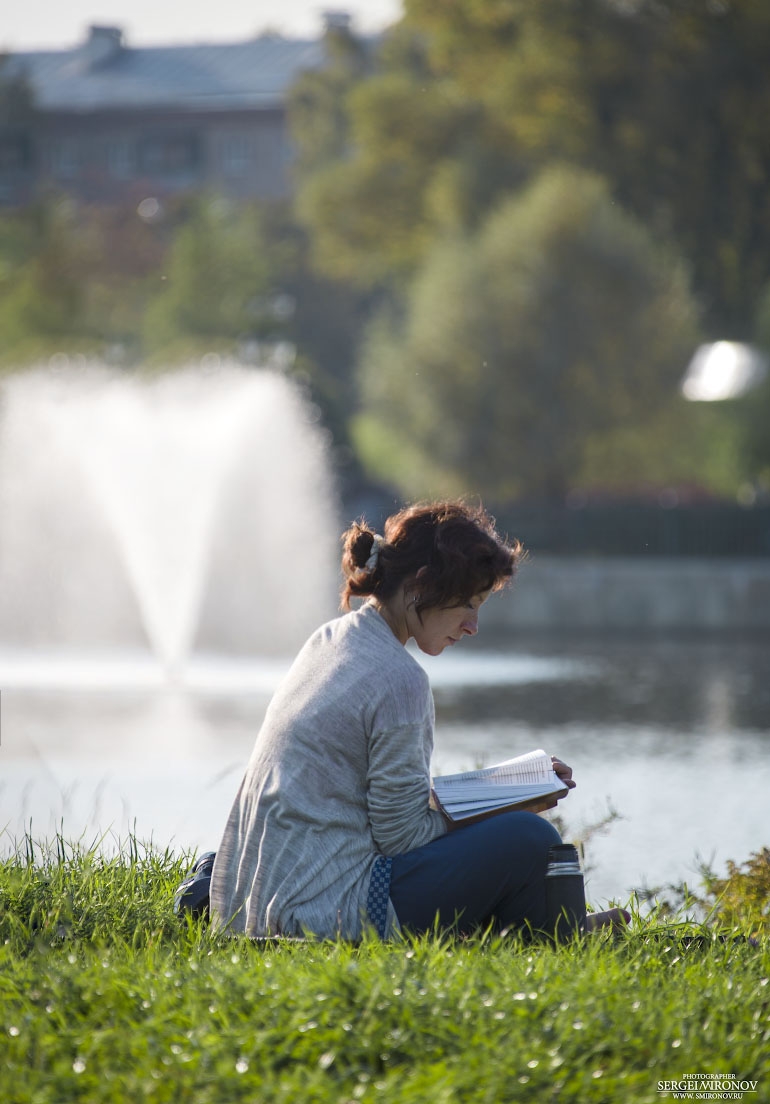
column 359, row 542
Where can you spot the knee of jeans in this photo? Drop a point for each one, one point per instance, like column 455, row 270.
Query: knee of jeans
column 540, row 833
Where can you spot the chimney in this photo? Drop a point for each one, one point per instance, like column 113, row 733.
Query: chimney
column 336, row 21
column 102, row 45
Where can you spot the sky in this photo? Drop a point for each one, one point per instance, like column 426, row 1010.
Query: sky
column 59, row 24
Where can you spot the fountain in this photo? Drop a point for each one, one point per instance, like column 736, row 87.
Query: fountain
column 191, row 511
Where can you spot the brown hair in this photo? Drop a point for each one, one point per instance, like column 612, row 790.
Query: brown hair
column 455, row 542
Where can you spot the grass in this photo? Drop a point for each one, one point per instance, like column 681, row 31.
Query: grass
column 106, row 996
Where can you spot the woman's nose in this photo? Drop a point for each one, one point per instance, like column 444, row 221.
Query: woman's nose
column 471, row 624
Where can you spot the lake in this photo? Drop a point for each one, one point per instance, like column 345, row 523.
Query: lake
column 674, row 734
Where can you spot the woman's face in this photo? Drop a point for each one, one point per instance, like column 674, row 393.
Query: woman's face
column 443, row 626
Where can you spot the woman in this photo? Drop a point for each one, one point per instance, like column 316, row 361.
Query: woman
column 332, row 830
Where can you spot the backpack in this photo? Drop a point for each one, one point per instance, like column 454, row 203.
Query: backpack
column 192, row 896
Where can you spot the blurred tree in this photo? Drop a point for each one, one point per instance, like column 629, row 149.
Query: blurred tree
column 755, row 407
column 369, row 212
column 403, row 157
column 694, row 448
column 559, row 320
column 668, row 99
column 22, row 233
column 316, row 105
column 219, row 284
column 467, row 99
column 325, row 327
column 125, row 255
column 523, row 61
column 77, row 278
column 681, row 95
column 43, row 265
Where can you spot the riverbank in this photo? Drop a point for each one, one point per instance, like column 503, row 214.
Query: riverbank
column 107, row 998
column 629, row 594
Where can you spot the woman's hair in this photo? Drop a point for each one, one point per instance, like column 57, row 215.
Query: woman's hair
column 456, row 543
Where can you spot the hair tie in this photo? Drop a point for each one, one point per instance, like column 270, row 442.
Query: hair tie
column 374, row 555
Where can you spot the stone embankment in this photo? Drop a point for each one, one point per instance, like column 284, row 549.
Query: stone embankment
column 554, row 592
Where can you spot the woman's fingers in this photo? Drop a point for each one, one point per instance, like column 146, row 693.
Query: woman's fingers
column 562, row 771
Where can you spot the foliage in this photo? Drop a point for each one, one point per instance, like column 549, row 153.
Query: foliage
column 202, row 274
column 218, row 279
column 74, row 280
column 523, row 61
column 42, row 270
column 326, row 330
column 384, row 184
column 466, row 101
column 693, row 446
column 559, row 320
column 743, row 896
column 145, row 1010
column 698, row 171
column 740, row 898
column 316, row 103
column 755, row 406
column 415, row 157
column 668, row 100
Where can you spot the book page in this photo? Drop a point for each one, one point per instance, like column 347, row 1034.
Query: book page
column 533, row 767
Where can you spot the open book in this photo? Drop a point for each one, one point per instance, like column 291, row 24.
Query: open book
column 513, row 784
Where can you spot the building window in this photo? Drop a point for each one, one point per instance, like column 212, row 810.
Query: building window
column 121, row 158
column 236, row 155
column 64, row 158
column 170, row 154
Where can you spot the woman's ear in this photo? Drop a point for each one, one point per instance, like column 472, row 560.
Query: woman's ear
column 412, row 585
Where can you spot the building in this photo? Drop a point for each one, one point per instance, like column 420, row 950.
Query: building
column 114, row 124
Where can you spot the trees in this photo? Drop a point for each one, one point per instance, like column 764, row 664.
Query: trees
column 669, row 99
column 43, row 261
column 407, row 156
column 469, row 99
column 316, row 105
column 755, row 406
column 204, row 276
column 682, row 102
column 559, row 320
column 217, row 281
column 468, row 102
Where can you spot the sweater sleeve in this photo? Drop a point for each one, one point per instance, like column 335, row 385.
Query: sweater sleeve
column 398, row 791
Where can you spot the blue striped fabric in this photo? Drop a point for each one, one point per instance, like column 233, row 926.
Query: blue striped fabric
column 379, row 894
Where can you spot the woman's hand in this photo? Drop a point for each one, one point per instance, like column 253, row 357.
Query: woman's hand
column 562, row 771
column 543, row 804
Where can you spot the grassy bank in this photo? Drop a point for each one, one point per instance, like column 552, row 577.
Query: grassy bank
column 104, row 996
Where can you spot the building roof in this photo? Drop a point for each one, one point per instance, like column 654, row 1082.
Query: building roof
column 104, row 74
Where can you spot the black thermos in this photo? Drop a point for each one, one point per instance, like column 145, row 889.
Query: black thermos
column 565, row 901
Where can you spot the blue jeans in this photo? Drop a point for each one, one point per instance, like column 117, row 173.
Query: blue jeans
column 491, row 872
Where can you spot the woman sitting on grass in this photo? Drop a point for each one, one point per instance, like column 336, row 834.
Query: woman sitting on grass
column 332, row 830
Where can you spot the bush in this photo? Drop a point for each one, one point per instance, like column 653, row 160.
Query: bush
column 560, row 320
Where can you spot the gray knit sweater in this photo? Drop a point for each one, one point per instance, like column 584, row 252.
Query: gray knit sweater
column 340, row 773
